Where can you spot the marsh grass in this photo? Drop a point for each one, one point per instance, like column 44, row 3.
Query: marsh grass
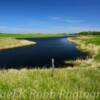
column 6, row 43
column 91, row 45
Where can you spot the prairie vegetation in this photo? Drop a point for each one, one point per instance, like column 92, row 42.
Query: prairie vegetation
column 37, row 84
column 38, row 35
column 90, row 44
column 6, row 43
column 82, row 82
column 89, row 33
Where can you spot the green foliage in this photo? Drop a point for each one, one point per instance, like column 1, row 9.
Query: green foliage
column 89, row 33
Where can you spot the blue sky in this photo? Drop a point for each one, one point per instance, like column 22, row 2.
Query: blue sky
column 49, row 16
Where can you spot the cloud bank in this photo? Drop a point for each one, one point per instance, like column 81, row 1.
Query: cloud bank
column 56, row 29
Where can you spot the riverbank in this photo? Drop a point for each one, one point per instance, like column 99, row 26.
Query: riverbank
column 7, row 43
column 91, row 45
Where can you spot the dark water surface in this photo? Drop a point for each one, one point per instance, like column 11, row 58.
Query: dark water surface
column 40, row 54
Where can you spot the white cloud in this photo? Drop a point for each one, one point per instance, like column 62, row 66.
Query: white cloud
column 73, row 21
column 73, row 29
column 55, row 18
column 6, row 29
column 36, row 24
column 67, row 20
column 56, row 29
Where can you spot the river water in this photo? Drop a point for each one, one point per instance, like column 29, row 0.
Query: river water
column 41, row 53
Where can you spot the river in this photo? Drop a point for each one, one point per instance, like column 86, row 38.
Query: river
column 40, row 54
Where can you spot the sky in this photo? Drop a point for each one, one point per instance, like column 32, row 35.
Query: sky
column 49, row 16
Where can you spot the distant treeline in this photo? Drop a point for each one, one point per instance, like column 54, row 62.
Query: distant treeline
column 89, row 33
column 30, row 35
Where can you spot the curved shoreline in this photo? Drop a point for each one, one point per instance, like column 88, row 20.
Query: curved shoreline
column 90, row 48
column 9, row 43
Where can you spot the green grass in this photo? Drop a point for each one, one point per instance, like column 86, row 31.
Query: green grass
column 93, row 40
column 30, row 35
column 97, row 57
column 37, row 84
column 79, row 83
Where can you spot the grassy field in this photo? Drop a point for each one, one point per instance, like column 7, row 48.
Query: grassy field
column 37, row 84
column 82, row 82
column 6, row 43
column 30, row 35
